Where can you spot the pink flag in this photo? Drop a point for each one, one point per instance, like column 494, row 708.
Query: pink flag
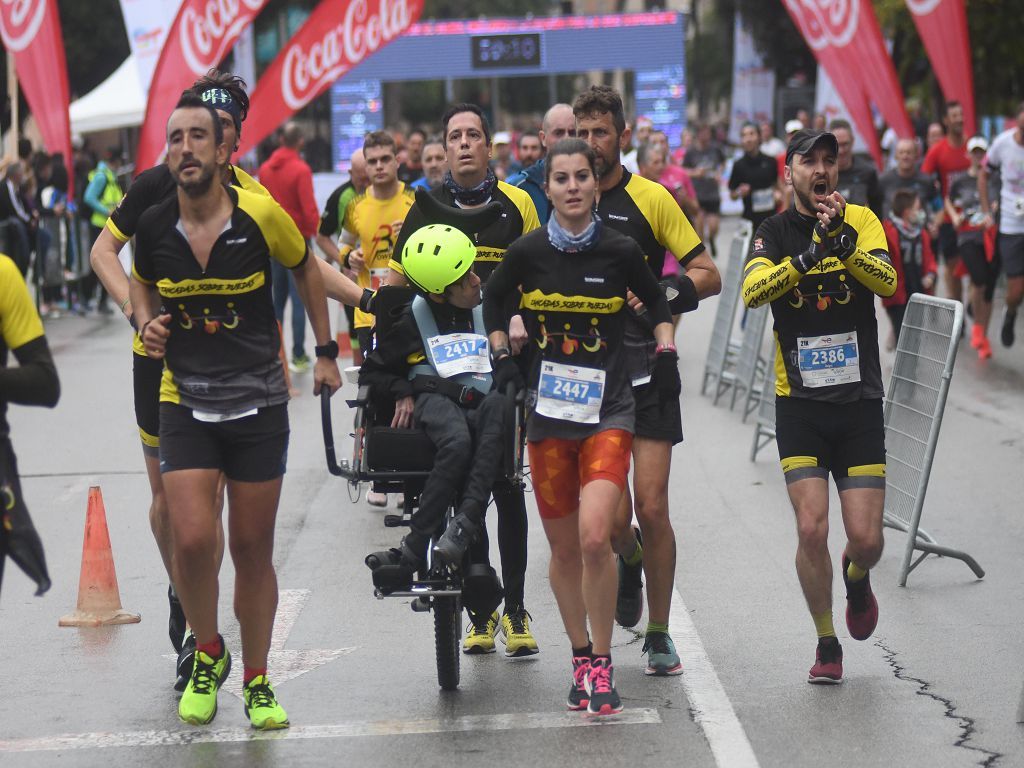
column 942, row 25
column 846, row 40
column 202, row 34
column 337, row 36
column 31, row 33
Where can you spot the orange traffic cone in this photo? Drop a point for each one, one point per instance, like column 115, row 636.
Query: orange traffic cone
column 99, row 601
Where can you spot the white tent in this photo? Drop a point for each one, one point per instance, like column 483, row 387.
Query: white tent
column 117, row 102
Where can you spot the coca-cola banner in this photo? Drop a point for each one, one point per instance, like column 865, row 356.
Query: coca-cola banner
column 202, row 34
column 30, row 30
column 847, row 42
column 336, row 37
column 942, row 25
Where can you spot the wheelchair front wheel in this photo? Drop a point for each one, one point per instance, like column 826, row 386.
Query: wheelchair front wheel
column 447, row 634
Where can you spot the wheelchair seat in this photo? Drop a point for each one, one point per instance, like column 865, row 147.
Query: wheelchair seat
column 398, row 450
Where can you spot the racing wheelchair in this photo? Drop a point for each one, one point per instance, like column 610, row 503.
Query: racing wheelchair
column 399, row 460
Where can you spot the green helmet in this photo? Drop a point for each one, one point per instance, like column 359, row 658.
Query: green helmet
column 437, row 255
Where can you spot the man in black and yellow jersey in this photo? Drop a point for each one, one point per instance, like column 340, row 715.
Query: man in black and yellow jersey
column 201, row 291
column 373, row 219
column 470, row 183
column 820, row 264
column 32, row 382
column 152, row 186
column 647, row 212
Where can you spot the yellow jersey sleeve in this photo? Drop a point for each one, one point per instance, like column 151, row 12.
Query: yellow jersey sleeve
column 19, row 321
column 283, row 238
column 247, row 182
column 112, row 228
column 870, row 235
column 671, row 226
column 524, row 204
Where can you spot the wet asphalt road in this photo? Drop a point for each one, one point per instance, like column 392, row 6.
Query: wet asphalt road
column 939, row 684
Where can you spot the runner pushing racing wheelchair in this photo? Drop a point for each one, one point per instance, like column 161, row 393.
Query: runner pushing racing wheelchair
column 435, row 362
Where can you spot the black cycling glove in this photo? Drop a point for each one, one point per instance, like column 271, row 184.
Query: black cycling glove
column 665, row 377
column 505, row 372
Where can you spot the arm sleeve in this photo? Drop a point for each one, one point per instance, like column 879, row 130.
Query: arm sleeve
column 672, row 229
column 530, row 219
column 929, row 164
column 501, row 284
column 329, row 224
column 641, row 282
column 34, row 381
column 928, row 254
column 765, row 279
column 734, row 177
column 386, row 368
column 869, row 264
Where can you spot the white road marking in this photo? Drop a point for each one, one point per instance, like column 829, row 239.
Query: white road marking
column 356, row 729
column 282, row 665
column 712, row 710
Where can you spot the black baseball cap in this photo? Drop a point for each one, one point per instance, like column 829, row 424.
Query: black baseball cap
column 805, row 140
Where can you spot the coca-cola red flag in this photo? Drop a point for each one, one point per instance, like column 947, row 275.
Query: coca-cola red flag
column 846, row 40
column 31, row 32
column 199, row 38
column 942, row 25
column 337, row 36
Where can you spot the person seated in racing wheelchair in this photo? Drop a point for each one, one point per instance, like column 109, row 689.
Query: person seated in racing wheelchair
column 434, row 362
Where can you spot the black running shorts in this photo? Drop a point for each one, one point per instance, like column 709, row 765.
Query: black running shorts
column 846, row 439
column 253, row 449
column 146, row 375
column 652, row 421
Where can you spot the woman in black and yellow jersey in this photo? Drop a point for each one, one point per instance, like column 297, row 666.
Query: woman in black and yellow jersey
column 820, row 265
column 574, row 276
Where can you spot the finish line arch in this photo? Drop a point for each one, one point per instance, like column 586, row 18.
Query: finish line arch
column 649, row 44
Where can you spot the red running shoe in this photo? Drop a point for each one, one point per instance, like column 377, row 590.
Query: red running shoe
column 984, row 349
column 828, row 663
column 977, row 334
column 861, row 606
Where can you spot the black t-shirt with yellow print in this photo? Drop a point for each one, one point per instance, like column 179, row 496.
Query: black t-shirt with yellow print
column 518, row 216
column 222, row 354
column 826, row 335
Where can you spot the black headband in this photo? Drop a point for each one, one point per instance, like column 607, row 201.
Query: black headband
column 218, row 98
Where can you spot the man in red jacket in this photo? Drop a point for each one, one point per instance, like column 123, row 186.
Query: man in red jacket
column 290, row 181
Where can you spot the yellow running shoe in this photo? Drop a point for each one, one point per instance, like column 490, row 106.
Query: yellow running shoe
column 198, row 705
column 481, row 639
column 261, row 706
column 515, row 626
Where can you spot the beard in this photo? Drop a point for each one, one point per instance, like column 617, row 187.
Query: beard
column 199, row 186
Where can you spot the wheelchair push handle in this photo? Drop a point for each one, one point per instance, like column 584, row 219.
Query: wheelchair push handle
column 328, row 430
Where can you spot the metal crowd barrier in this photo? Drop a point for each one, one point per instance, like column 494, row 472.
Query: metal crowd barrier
column 925, row 357
column 750, row 364
column 722, row 349
column 764, row 429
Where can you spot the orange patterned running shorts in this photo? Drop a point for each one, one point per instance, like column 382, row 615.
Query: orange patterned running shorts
column 560, row 468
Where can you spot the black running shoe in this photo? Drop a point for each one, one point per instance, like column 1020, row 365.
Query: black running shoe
column 176, row 624
column 629, row 606
column 600, row 683
column 452, row 545
column 1006, row 334
column 186, row 660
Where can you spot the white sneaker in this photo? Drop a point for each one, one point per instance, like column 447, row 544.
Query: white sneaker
column 375, row 499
